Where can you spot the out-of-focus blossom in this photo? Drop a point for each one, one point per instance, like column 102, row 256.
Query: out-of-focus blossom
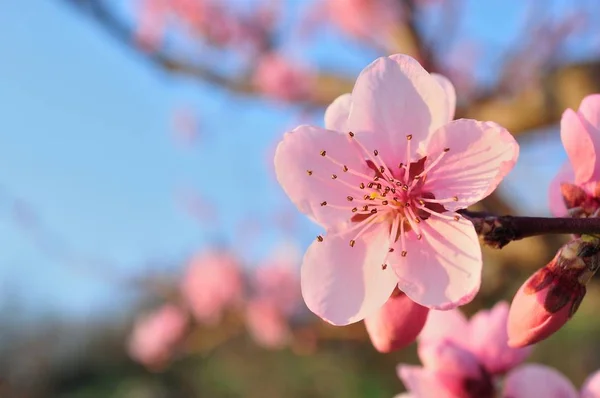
column 591, row 386
column 213, row 282
column 580, row 135
column 385, row 180
column 279, row 283
column 280, row 78
column 267, row 324
column 151, row 25
column 364, row 19
column 156, row 335
column 396, row 324
column 197, row 206
column 276, row 297
column 550, row 297
column 186, row 127
column 462, row 359
column 533, row 381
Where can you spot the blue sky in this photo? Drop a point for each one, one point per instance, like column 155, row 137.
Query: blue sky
column 85, row 140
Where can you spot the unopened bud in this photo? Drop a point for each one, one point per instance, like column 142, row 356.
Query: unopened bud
column 397, row 323
column 550, row 297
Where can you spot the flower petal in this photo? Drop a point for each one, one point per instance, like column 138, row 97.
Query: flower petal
column 422, row 382
column 480, row 155
column 336, row 114
column 488, row 339
column 591, row 386
column 533, row 381
column 445, row 325
column 443, row 269
column 582, row 142
column 590, row 110
column 450, row 95
column 344, row 284
column 392, row 98
column 555, row 197
column 300, row 154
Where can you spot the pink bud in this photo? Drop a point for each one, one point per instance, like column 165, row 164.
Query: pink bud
column 156, row 335
column 397, row 323
column 549, row 298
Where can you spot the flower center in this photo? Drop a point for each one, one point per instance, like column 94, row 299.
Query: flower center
column 397, row 195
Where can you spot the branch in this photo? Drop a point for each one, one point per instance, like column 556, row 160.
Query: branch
column 539, row 104
column 498, row 231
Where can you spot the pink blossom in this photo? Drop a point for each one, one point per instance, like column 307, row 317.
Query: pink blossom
column 533, row 381
column 385, row 180
column 591, row 386
column 280, row 284
column 267, row 323
column 550, row 297
column 276, row 298
column 156, row 335
column 212, row 282
column 463, row 358
column 424, row 383
column 151, row 24
column 396, row 324
column 280, row 78
column 580, row 135
column 358, row 17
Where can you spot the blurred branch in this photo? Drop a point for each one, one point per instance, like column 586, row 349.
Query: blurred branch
column 535, row 105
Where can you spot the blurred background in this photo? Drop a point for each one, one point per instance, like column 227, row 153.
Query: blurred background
column 147, row 249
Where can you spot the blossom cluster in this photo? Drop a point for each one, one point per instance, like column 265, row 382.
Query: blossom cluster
column 213, row 285
column 389, row 179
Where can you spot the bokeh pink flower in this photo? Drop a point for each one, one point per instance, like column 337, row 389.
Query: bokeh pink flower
column 580, row 135
column 155, row 336
column 385, row 179
column 462, row 358
column 275, row 299
column 280, row 78
column 212, row 283
column 358, row 17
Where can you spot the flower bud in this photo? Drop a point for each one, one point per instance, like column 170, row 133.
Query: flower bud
column 397, row 323
column 550, row 297
column 578, row 201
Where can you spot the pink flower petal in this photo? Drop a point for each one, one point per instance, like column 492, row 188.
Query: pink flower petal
column 336, row 114
column 299, row 154
column 590, row 110
column 448, row 357
column 591, row 386
column 422, row 382
column 534, row 381
column 480, row 155
column 488, row 339
column 440, row 325
column 443, row 269
column 556, row 200
column 450, row 95
column 344, row 284
column 579, row 139
column 392, row 98
column 267, row 324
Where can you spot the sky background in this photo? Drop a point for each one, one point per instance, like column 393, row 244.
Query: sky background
column 86, row 142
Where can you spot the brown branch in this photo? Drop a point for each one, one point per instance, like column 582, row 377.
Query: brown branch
column 498, row 231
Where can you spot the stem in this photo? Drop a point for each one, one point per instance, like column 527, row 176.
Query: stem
column 498, row 231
